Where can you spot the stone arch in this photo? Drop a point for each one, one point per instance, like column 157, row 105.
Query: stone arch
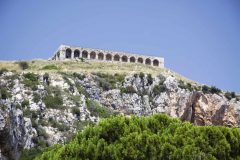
column 92, row 55
column 148, row 61
column 100, row 56
column 76, row 53
column 140, row 60
column 124, row 58
column 116, row 57
column 85, row 54
column 68, row 53
column 108, row 57
column 132, row 59
column 155, row 62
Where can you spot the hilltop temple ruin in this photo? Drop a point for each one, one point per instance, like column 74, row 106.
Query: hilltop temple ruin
column 70, row 52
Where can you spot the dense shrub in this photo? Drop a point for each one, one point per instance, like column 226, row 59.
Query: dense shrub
column 97, row 109
column 36, row 97
column 215, row 90
column 4, row 93
column 153, row 137
column 141, row 75
column 158, row 89
column 212, row 89
column 25, row 103
column 31, row 80
column 205, row 89
column 2, row 71
column 149, row 79
column 230, row 95
column 54, row 102
column 23, row 65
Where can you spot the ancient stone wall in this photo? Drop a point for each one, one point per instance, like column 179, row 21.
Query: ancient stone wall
column 70, row 52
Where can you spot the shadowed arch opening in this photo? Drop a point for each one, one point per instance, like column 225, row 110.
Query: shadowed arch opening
column 68, row 53
column 132, row 59
column 124, row 58
column 84, row 54
column 100, row 56
column 148, row 61
column 116, row 57
column 92, row 55
column 108, row 57
column 140, row 60
column 155, row 62
column 76, row 53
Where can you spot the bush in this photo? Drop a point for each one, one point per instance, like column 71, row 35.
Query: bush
column 3, row 70
column 141, row 75
column 50, row 67
column 36, row 97
column 46, row 78
column 79, row 76
column 76, row 110
column 158, row 89
column 183, row 85
column 128, row 89
column 107, row 81
column 205, row 89
column 230, row 95
column 54, row 102
column 215, row 90
column 97, row 109
column 31, row 80
column 25, row 103
column 4, row 93
column 23, row 65
column 59, row 126
column 152, row 137
column 149, row 79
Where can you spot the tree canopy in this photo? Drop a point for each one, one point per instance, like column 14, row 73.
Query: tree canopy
column 153, row 137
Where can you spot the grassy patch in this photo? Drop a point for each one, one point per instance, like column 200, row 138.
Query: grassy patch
column 50, row 67
column 54, row 102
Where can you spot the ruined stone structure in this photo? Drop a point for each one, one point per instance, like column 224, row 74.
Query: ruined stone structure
column 70, row 52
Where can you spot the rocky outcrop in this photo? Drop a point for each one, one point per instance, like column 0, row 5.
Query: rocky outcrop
column 211, row 109
column 15, row 131
column 29, row 119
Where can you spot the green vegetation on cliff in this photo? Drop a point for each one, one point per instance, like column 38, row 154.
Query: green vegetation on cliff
column 153, row 137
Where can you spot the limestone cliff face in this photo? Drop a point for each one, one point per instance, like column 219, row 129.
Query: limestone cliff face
column 16, row 132
column 211, row 110
column 50, row 108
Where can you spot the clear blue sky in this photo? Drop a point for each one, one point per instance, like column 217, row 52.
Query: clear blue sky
column 199, row 39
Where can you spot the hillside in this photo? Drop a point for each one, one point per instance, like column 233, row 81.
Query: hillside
column 46, row 102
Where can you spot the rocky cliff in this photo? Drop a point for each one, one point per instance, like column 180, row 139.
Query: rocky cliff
column 42, row 109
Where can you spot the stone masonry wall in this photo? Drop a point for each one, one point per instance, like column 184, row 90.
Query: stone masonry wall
column 70, row 52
